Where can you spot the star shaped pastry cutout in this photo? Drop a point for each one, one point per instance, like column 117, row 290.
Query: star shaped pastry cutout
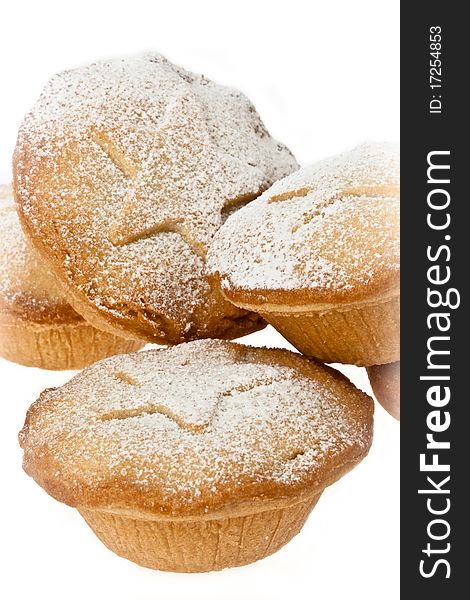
column 183, row 184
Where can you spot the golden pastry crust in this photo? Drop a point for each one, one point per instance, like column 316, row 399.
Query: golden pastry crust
column 199, row 545
column 38, row 327
column 385, row 381
column 58, row 346
column 317, row 256
column 327, row 234
column 203, row 430
column 27, row 289
column 199, row 457
column 361, row 334
column 123, row 171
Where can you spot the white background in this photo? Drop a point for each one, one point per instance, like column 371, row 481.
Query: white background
column 324, row 76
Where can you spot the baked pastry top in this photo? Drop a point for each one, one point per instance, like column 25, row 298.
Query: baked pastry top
column 327, row 233
column 27, row 289
column 123, row 171
column 201, row 427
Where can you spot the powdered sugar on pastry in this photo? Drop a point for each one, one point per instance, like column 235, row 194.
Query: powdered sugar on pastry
column 124, row 170
column 25, row 284
column 330, row 226
column 191, row 425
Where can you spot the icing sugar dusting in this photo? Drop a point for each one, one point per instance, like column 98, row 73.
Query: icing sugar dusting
column 24, row 280
column 332, row 225
column 132, row 165
column 192, row 420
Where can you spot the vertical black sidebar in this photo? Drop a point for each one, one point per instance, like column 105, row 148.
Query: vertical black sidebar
column 435, row 267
